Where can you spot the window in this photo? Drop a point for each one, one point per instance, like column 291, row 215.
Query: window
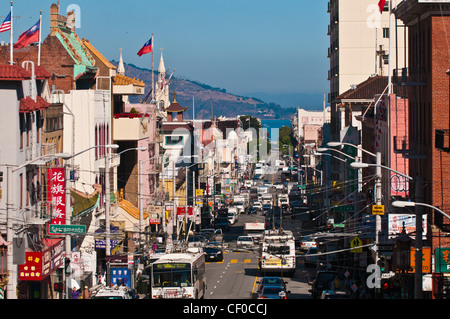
column 174, row 140
column 386, row 33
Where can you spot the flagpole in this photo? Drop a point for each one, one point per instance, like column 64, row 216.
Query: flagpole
column 11, row 49
column 153, row 80
column 40, row 35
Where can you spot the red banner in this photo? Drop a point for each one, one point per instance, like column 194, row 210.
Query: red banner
column 39, row 265
column 56, row 194
column 181, row 211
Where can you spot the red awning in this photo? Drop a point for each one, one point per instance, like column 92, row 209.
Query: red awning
column 27, row 104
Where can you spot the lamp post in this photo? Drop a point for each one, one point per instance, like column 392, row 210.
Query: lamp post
column 418, row 271
column 418, row 212
column 377, row 185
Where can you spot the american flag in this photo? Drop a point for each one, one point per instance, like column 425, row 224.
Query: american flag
column 6, row 25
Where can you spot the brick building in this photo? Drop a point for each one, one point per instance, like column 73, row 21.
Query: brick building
column 427, row 80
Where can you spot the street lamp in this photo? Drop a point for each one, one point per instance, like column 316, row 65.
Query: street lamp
column 418, row 243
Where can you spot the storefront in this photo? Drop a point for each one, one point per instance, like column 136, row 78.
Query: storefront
column 41, row 270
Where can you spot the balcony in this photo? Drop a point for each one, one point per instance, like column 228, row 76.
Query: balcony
column 130, row 127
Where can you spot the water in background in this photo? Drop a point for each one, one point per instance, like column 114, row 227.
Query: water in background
column 273, row 126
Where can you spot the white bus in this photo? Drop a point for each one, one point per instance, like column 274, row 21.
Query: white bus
column 278, row 252
column 179, row 275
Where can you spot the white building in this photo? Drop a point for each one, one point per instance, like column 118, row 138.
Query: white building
column 359, row 46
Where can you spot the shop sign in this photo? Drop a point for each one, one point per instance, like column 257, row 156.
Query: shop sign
column 426, row 260
column 443, row 259
column 181, row 211
column 39, row 265
column 56, row 193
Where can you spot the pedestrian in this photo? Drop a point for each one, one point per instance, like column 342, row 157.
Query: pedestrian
column 75, row 293
column 86, row 293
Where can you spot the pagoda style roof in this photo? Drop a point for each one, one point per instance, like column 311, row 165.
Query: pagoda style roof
column 97, row 53
column 175, row 107
column 120, row 79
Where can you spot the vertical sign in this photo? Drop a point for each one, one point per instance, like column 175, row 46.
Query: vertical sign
column 56, row 194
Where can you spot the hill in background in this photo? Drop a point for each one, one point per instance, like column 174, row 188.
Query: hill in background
column 208, row 99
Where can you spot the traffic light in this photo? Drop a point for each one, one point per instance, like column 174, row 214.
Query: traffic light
column 1, row 176
column 67, row 265
column 58, row 286
column 382, row 263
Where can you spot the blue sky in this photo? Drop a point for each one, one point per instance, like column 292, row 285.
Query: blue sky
column 275, row 47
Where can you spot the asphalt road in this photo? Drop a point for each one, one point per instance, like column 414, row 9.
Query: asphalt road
column 235, row 277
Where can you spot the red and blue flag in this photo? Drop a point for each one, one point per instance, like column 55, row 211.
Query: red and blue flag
column 28, row 37
column 147, row 48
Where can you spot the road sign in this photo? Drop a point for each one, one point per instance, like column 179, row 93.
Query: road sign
column 344, row 208
column 355, row 245
column 377, row 209
column 55, row 229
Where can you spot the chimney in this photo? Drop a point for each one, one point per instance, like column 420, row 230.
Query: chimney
column 71, row 20
column 54, row 18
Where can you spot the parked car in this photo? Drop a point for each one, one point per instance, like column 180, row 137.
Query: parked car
column 213, row 253
column 222, row 223
column 270, row 281
column 322, row 282
column 245, row 241
column 273, row 292
column 307, row 242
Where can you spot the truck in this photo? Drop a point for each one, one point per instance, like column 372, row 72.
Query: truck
column 283, row 201
column 266, row 199
column 241, row 202
column 255, row 230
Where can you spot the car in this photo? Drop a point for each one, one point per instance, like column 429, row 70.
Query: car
column 251, row 210
column 115, row 292
column 245, row 241
column 257, row 206
column 273, row 292
column 270, row 281
column 213, row 253
column 307, row 242
column 222, row 223
column 322, row 282
column 333, row 294
column 311, row 257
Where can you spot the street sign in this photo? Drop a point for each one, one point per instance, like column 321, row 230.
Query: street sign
column 344, row 208
column 377, row 209
column 355, row 245
column 55, row 229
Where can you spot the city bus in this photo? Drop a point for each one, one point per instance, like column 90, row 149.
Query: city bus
column 179, row 276
column 278, row 252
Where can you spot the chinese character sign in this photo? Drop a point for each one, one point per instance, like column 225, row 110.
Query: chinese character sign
column 32, row 269
column 443, row 259
column 56, row 194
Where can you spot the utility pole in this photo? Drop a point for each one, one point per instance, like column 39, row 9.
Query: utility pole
column 419, row 244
